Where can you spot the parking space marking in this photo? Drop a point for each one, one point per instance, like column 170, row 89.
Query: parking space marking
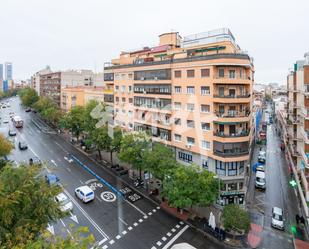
column 159, row 243
column 124, row 232
column 123, row 221
column 98, row 198
column 136, row 208
column 112, row 242
column 175, row 237
column 135, row 224
column 130, row 228
column 118, row 236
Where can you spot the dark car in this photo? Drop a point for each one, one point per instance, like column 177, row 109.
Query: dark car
column 12, row 133
column 35, row 160
column 52, row 179
column 28, row 109
column 22, row 145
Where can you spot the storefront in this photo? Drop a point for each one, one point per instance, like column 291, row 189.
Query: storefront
column 232, row 197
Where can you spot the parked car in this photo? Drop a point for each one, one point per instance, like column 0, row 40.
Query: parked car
column 5, row 121
column 277, row 218
column 22, row 145
column 260, row 180
column 65, row 204
column 12, row 133
column 28, row 109
column 35, row 160
column 52, row 179
column 260, row 168
column 84, row 193
column 262, row 156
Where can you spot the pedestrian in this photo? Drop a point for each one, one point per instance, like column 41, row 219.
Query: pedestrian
column 297, row 218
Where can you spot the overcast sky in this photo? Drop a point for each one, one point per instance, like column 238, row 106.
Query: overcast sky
column 75, row 34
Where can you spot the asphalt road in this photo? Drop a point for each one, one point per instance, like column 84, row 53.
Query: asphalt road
column 278, row 193
column 114, row 221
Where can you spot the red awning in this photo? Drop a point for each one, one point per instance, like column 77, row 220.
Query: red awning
column 159, row 49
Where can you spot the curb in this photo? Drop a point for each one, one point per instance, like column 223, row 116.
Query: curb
column 213, row 239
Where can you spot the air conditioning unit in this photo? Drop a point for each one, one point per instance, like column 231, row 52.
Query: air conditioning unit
column 142, row 78
column 155, row 78
column 144, row 92
column 188, row 146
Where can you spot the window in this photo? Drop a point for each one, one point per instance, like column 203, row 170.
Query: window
column 232, row 168
column 205, row 163
column 130, row 126
column 205, row 72
column 190, row 90
column 123, row 111
column 190, row 140
column 205, row 126
column 117, row 88
column 190, row 123
column 205, row 90
column 184, row 157
column 220, row 168
column 123, row 89
column 205, row 108
column 241, row 167
column 130, row 76
column 117, row 110
column 177, row 137
column 130, row 89
column 190, row 73
column 221, row 73
column 123, row 124
column 177, row 74
column 232, row 186
column 190, row 107
column 232, row 74
column 130, row 114
column 123, row 99
column 117, row 99
column 205, row 145
column 240, row 185
column 177, row 89
column 177, row 105
column 130, row 100
column 177, row 121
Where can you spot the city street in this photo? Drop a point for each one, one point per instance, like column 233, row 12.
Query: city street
column 115, row 221
column 278, row 193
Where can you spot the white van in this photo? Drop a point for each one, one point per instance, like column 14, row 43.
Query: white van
column 84, row 193
column 260, row 180
column 277, row 218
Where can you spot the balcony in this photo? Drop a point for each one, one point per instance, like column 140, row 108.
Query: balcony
column 243, row 98
column 237, row 134
column 108, row 91
column 232, row 153
column 295, row 120
column 296, row 105
column 232, row 79
column 306, row 90
column 294, row 151
column 305, row 135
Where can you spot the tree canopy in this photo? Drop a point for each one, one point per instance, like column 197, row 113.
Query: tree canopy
column 188, row 186
column 28, row 96
column 235, row 218
column 5, row 146
column 74, row 120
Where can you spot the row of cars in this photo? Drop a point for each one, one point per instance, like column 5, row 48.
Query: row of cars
column 277, row 220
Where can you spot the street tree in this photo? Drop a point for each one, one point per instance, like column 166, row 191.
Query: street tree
column 28, row 96
column 188, row 186
column 133, row 148
column 74, row 120
column 101, row 139
column 116, row 142
column 160, row 160
column 235, row 218
column 43, row 103
column 89, row 121
column 26, row 205
column 5, row 149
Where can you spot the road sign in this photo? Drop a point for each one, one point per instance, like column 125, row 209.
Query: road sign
column 108, row 196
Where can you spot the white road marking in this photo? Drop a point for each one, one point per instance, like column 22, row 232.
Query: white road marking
column 123, row 221
column 169, row 234
column 62, row 223
column 101, row 242
column 173, row 230
column 140, row 220
column 87, row 216
column 177, row 226
column 70, row 233
column 130, row 228
column 33, row 151
column 158, row 208
column 112, row 242
column 74, row 218
column 135, row 207
column 51, row 229
column 62, row 147
column 105, row 247
column 124, row 232
column 159, row 243
column 145, row 217
column 54, row 163
column 98, row 198
column 135, row 224
column 153, row 210
column 175, row 237
column 81, row 181
column 149, row 213
column 153, row 247
column 164, row 238
column 118, row 236
column 68, row 169
column 181, row 223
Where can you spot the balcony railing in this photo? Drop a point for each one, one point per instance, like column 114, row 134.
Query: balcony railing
column 232, row 114
column 237, row 134
column 232, row 96
column 232, row 77
column 233, row 153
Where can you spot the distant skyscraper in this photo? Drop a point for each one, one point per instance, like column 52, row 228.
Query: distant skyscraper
column 8, row 71
column 1, row 71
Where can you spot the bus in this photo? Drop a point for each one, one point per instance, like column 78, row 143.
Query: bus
column 18, row 122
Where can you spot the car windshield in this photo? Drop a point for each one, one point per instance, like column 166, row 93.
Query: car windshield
column 261, row 180
column 277, row 216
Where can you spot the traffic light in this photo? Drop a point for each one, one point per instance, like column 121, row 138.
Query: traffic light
column 293, row 183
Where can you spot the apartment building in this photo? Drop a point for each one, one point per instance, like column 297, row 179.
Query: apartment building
column 296, row 125
column 52, row 83
column 195, row 95
column 35, row 79
column 80, row 96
